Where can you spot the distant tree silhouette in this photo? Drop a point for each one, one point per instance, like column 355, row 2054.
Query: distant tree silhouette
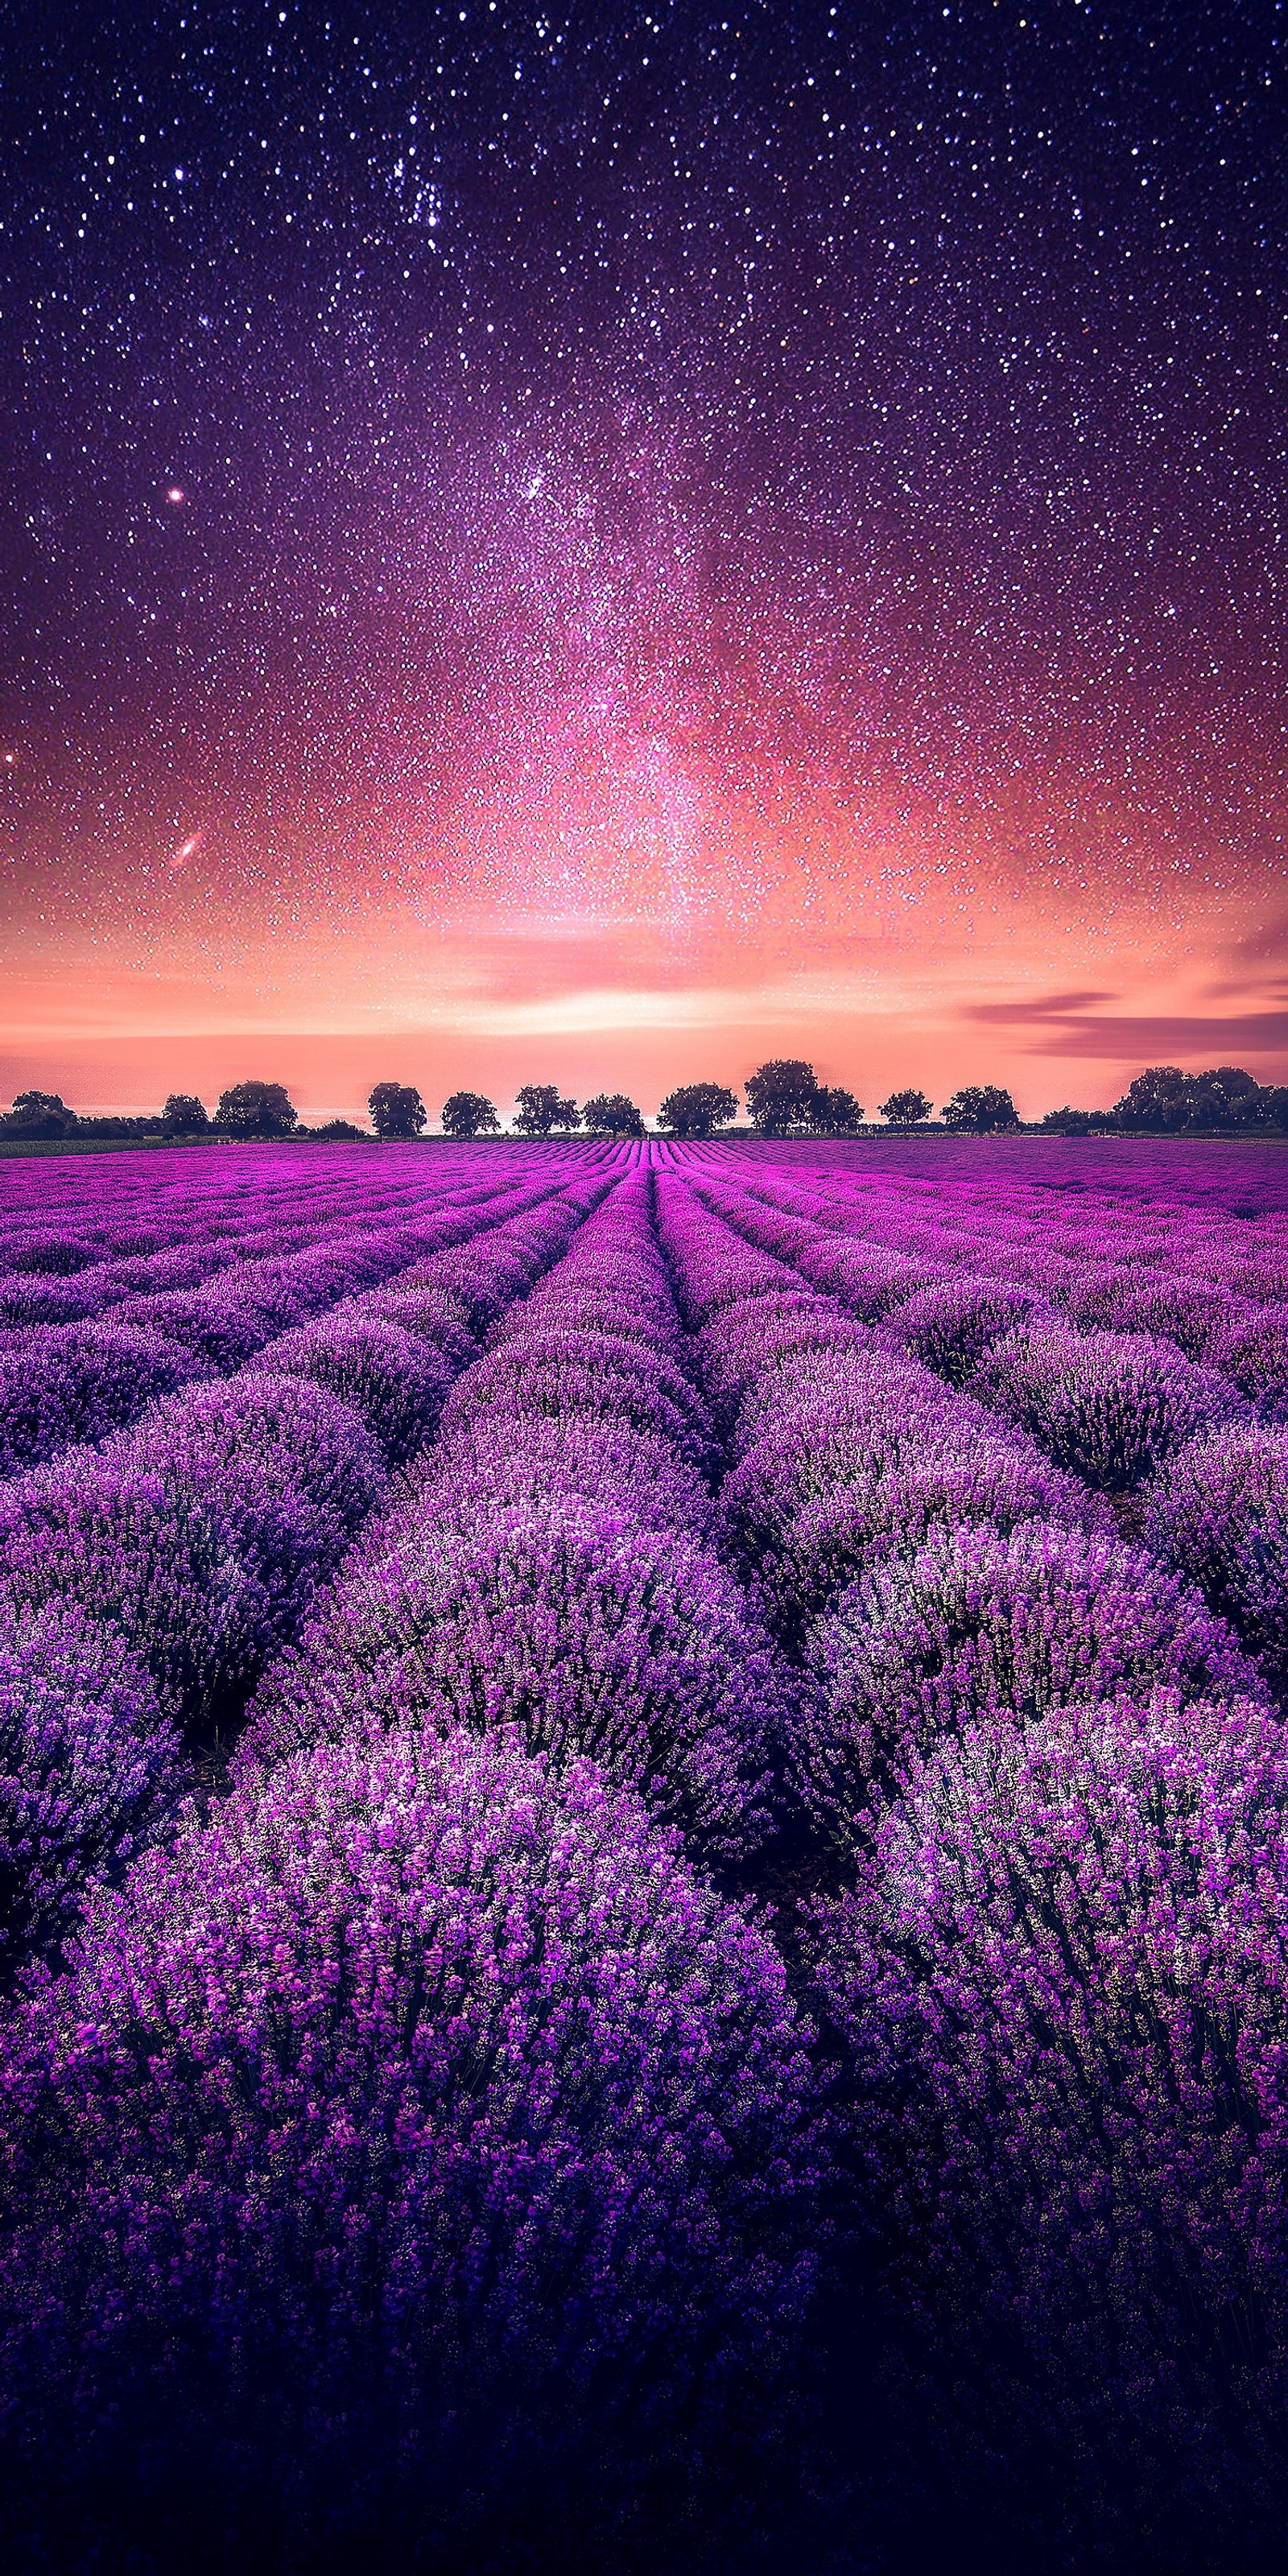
column 40, row 1115
column 184, row 1115
column 835, row 1113
column 542, row 1108
column 1067, row 1122
column 610, row 1113
column 905, row 1109
column 697, row 1109
column 468, row 1114
column 1165, row 1101
column 255, row 1109
column 397, row 1110
column 980, row 1109
column 335, row 1131
column 782, row 1097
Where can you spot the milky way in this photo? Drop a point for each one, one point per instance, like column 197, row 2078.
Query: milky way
column 632, row 535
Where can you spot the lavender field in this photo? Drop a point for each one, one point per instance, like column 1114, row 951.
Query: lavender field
column 644, row 1858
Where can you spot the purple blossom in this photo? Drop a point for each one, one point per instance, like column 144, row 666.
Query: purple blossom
column 1061, row 1975
column 1111, row 1406
column 419, row 2150
column 1219, row 1512
column 517, row 1460
column 564, row 1372
column 568, row 1620
column 88, row 1770
column 394, row 1382
column 977, row 1621
column 951, row 1326
column 79, row 1384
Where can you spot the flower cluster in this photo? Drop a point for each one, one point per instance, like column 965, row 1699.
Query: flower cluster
column 409, row 2156
column 419, row 2148
column 548, row 1568
column 1062, row 1977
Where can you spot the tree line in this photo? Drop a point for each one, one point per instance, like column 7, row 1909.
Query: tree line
column 784, row 1098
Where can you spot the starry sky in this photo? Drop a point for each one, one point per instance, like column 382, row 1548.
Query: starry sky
column 602, row 543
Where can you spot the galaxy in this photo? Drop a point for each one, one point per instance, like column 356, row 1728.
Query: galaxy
column 599, row 545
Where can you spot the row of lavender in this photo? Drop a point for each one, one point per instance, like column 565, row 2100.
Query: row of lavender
column 413, row 2145
column 147, row 1579
column 415, row 2148
column 84, row 1350
column 1056, row 1780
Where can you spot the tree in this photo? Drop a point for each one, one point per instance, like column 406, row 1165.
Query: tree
column 610, row 1113
column 542, row 1108
column 697, row 1109
column 980, row 1109
column 184, row 1115
column 1226, row 1097
column 1067, row 1122
column 782, row 1096
column 836, row 1113
column 255, row 1109
column 40, row 1114
column 337, row 1131
column 1163, row 1101
column 397, row 1110
column 905, row 1109
column 1157, row 1101
column 468, row 1114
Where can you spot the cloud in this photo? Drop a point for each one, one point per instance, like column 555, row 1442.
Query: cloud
column 1166, row 1040
column 1039, row 1006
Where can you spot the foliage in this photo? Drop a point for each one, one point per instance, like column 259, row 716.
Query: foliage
column 782, row 1097
column 542, row 1109
column 466, row 1114
column 610, row 1113
column 397, row 1110
column 835, row 1113
column 39, row 1114
column 255, row 1109
column 1165, row 1101
column 980, row 1109
column 905, row 1108
column 184, row 1115
column 697, row 1109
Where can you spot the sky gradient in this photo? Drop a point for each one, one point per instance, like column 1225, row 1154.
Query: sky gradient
column 599, row 545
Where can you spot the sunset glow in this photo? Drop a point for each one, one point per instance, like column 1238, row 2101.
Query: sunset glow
column 759, row 540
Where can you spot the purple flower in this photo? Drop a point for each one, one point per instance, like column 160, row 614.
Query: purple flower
column 393, row 1381
column 564, row 1372
column 975, row 1621
column 419, row 2150
column 951, row 1326
column 569, row 1621
column 1111, row 1406
column 88, row 1770
column 80, row 1383
column 1062, row 1979
column 1219, row 1512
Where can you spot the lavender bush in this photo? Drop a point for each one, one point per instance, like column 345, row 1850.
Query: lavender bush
column 574, row 1624
column 974, row 1622
column 1110, row 1406
column 395, row 1382
column 88, row 1770
column 1219, row 1511
column 1062, row 1978
column 418, row 2154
